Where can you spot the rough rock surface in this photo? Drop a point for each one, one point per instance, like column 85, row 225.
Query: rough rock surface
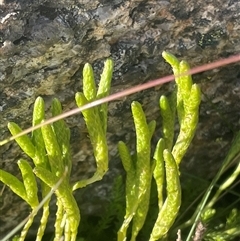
column 44, row 45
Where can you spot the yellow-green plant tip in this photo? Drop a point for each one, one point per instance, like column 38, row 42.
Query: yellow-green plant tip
column 38, row 111
column 158, row 172
column 63, row 138
column 168, row 121
column 24, row 141
column 95, row 129
column 152, row 126
column 56, row 107
column 125, row 156
column 14, row 184
column 172, row 175
column 46, row 176
column 29, row 182
column 53, row 150
column 37, row 139
column 143, row 179
column 89, row 86
column 173, row 100
column 138, row 183
column 60, row 128
column 106, row 77
column 98, row 138
column 140, row 121
column 143, row 144
column 172, row 60
column 185, row 83
column 184, row 66
column 173, row 184
column 95, row 120
column 187, row 107
column 158, row 153
column 103, row 91
column 131, row 186
column 129, row 167
column 80, row 99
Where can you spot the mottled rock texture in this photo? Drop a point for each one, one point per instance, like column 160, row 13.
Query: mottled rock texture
column 44, row 45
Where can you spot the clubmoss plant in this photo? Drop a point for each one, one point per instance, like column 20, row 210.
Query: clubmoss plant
column 141, row 167
column 49, row 149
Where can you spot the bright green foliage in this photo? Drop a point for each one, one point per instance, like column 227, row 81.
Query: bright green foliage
column 89, row 89
column 38, row 155
column 170, row 208
column 29, row 182
column 14, row 183
column 53, row 150
column 159, row 171
column 104, row 90
column 130, row 167
column 40, row 159
column 49, row 149
column 139, row 174
column 51, row 141
column 66, row 199
column 24, row 141
column 96, row 118
column 63, row 134
column 168, row 117
column 188, row 101
column 167, row 157
column 26, row 190
column 185, row 100
column 56, row 145
column 144, row 167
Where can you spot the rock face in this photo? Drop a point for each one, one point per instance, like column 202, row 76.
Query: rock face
column 44, row 45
